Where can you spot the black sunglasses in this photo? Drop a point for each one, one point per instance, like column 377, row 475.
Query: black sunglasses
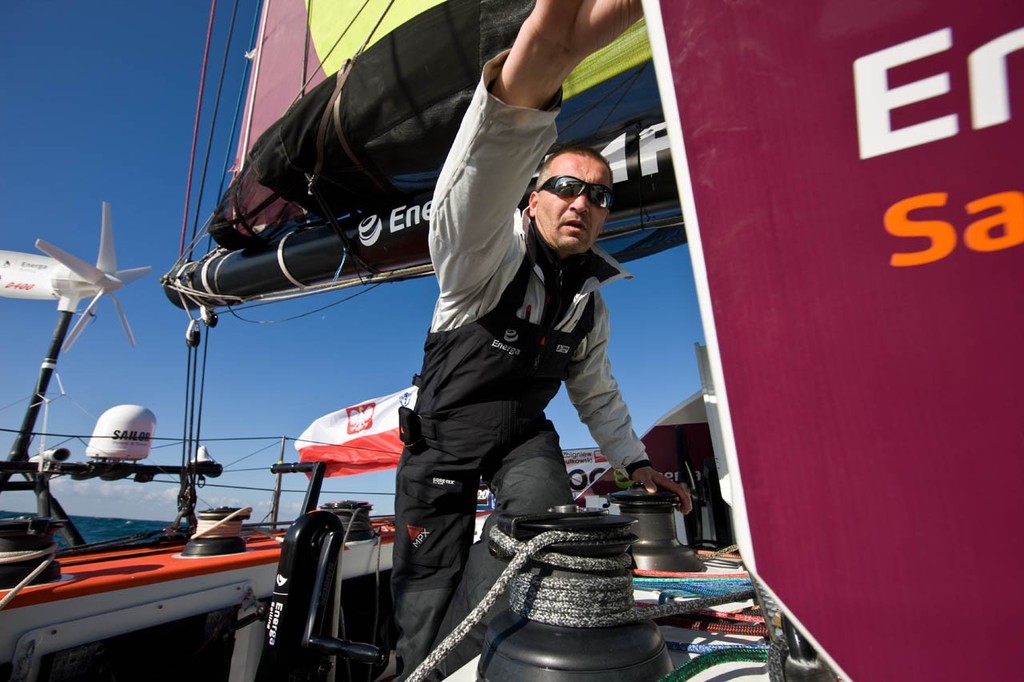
column 568, row 186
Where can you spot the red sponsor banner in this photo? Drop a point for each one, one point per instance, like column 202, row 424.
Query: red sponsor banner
column 586, row 467
column 856, row 208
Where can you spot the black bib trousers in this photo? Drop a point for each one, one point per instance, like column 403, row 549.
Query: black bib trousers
column 480, row 412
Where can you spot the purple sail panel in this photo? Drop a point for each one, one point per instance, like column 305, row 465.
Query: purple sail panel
column 856, row 191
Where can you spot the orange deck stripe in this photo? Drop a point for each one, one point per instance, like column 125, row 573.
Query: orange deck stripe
column 100, row 572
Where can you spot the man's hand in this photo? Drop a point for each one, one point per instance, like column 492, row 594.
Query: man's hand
column 652, row 480
column 553, row 40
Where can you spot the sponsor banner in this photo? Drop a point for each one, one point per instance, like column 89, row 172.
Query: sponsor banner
column 27, row 276
column 585, row 467
column 854, row 196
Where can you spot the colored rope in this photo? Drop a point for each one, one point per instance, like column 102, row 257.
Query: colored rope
column 748, row 629
column 705, row 648
column 701, row 663
column 645, row 573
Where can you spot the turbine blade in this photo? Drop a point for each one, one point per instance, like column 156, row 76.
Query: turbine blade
column 107, row 259
column 79, row 327
column 86, row 272
column 124, row 320
column 132, row 274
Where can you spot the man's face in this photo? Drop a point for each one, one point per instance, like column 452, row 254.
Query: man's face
column 570, row 225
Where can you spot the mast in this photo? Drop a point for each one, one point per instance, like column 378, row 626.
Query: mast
column 46, row 505
column 19, row 450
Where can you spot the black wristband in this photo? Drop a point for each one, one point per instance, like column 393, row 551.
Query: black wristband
column 639, row 464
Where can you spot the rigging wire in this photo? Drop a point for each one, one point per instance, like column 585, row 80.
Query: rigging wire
column 195, row 129
column 234, row 310
column 186, row 491
column 305, row 51
column 373, row 30
column 170, row 441
column 622, row 89
column 213, row 119
column 341, row 36
column 195, row 377
column 274, row 441
column 236, row 123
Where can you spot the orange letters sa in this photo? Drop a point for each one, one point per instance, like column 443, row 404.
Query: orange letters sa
column 994, row 232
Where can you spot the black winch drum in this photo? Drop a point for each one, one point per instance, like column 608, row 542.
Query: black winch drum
column 28, row 535
column 517, row 648
column 356, row 517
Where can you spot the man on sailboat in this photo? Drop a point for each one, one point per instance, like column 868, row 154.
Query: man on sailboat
column 518, row 313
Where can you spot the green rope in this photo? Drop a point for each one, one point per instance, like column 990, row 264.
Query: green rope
column 701, row 663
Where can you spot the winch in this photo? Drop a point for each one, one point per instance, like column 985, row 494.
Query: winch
column 571, row 607
column 355, row 515
column 25, row 543
column 218, row 532
column 657, row 547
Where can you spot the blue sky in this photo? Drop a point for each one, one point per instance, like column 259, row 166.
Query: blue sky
column 97, row 103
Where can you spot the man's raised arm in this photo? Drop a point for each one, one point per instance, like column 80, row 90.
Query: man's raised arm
column 557, row 36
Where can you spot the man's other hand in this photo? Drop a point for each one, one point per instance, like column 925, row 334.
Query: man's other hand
column 652, row 480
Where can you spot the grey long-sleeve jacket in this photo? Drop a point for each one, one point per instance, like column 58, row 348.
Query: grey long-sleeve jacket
column 477, row 242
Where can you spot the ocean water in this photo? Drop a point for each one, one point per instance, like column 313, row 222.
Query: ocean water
column 98, row 529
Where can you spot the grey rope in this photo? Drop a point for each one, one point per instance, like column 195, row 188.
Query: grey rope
column 556, row 601
column 778, row 648
column 595, row 601
column 474, row 617
column 778, row 651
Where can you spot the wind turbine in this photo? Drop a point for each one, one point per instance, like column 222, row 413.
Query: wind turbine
column 64, row 277
column 69, row 279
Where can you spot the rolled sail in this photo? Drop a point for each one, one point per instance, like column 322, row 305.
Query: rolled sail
column 335, row 190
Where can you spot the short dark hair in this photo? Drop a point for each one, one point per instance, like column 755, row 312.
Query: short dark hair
column 579, row 150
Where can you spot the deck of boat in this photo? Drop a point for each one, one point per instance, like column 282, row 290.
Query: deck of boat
column 104, row 594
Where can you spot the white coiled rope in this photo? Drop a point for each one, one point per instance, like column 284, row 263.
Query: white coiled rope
column 47, row 554
column 228, row 527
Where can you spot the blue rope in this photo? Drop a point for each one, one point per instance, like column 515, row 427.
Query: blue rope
column 690, row 586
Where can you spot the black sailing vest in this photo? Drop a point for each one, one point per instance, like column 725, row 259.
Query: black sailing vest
column 501, row 362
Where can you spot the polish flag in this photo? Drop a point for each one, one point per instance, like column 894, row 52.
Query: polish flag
column 357, row 439
column 364, row 438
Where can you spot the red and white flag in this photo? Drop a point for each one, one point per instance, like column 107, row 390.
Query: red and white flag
column 357, row 439
column 364, row 438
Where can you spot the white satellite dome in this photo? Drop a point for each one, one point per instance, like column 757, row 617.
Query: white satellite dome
column 122, row 432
